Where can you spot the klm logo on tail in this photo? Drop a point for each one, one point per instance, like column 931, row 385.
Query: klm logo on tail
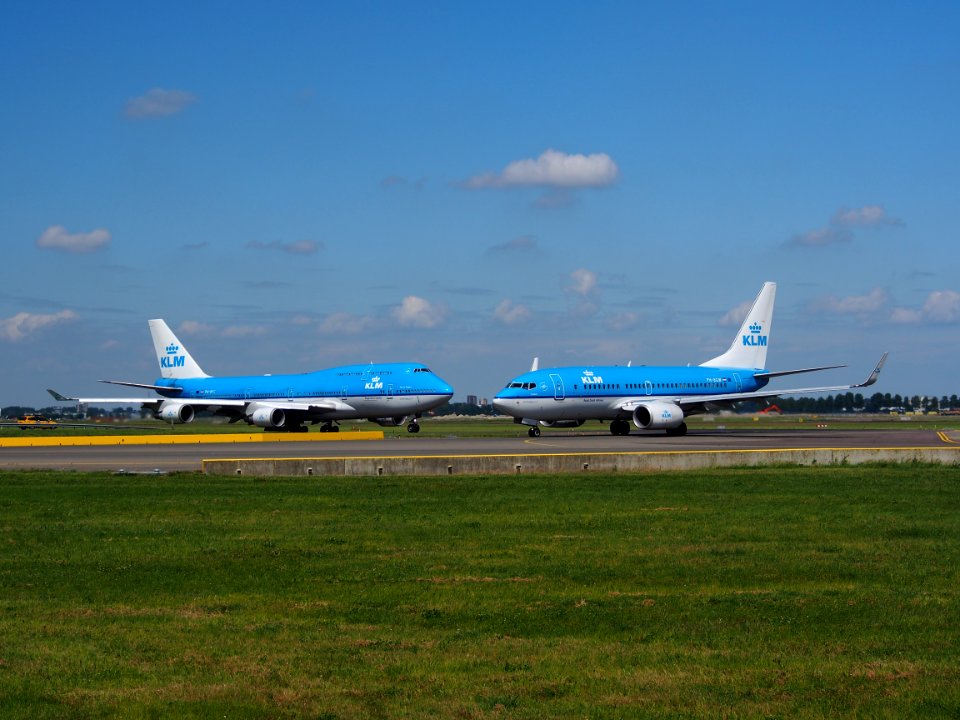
column 755, row 339
column 172, row 360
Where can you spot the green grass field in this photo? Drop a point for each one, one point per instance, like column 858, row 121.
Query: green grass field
column 782, row 592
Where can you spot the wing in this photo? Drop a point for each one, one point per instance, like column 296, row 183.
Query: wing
column 153, row 403
column 318, row 407
column 704, row 403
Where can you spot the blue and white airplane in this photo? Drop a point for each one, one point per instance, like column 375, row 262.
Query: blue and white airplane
column 389, row 394
column 656, row 398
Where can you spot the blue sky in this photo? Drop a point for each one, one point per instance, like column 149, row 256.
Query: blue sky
column 299, row 185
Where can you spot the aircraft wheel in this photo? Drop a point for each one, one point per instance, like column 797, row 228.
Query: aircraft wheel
column 620, row 427
column 534, row 432
column 679, row 430
column 413, row 428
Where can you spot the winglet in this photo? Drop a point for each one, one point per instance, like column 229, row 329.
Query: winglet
column 59, row 397
column 535, row 365
column 875, row 374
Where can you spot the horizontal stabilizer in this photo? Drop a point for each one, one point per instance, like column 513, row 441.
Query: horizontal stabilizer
column 121, row 401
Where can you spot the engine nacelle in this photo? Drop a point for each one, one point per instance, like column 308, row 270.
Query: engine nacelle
column 390, row 421
column 657, row 415
column 561, row 423
column 175, row 412
column 267, row 417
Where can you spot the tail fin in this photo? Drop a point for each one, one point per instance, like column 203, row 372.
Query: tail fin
column 175, row 361
column 749, row 348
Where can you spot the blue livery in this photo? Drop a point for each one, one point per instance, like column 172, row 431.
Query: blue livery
column 656, row 398
column 388, row 394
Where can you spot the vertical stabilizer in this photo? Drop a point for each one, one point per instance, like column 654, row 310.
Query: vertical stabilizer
column 175, row 361
column 749, row 347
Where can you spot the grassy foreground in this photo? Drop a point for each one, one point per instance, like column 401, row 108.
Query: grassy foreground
column 788, row 592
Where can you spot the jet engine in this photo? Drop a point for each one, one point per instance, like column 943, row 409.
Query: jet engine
column 175, row 412
column 267, row 417
column 561, row 423
column 389, row 421
column 657, row 415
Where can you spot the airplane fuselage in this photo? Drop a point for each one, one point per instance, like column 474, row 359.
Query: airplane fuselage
column 599, row 392
column 377, row 390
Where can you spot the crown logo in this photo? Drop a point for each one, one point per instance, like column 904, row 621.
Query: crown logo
column 173, row 349
column 756, row 328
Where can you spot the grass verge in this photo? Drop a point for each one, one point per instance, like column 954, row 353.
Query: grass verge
column 800, row 592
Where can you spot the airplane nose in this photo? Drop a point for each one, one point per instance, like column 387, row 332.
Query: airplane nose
column 499, row 405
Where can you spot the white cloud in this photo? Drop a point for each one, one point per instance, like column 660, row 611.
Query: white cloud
column 553, row 169
column 193, row 327
column 625, row 321
column 300, row 247
column 16, row 328
column 243, row 331
column 158, row 103
column 737, row 315
column 509, row 314
column 838, row 230
column 524, row 243
column 941, row 307
column 414, row 311
column 56, row 237
column 344, row 323
column 583, row 282
column 855, row 304
column 822, row 237
column 864, row 216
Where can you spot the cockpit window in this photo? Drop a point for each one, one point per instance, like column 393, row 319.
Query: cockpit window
column 515, row 385
column 421, row 369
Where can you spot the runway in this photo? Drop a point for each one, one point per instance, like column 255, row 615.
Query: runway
column 172, row 458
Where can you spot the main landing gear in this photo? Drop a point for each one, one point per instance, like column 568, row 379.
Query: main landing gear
column 329, row 427
column 534, row 432
column 619, row 427
column 413, row 427
column 679, row 430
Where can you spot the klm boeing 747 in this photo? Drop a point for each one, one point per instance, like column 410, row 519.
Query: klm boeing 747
column 389, row 394
column 657, row 398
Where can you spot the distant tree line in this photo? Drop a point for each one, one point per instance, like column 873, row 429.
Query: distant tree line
column 842, row 403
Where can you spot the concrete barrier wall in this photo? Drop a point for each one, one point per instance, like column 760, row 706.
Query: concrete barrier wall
column 574, row 463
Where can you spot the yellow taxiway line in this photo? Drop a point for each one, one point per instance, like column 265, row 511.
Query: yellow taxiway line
column 226, row 438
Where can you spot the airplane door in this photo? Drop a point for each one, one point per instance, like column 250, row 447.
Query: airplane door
column 648, row 387
column 390, row 391
column 557, row 387
column 343, row 391
column 736, row 380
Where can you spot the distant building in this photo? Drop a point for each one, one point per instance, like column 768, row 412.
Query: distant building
column 472, row 400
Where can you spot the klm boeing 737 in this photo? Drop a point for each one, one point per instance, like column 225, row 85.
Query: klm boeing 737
column 657, row 398
column 389, row 394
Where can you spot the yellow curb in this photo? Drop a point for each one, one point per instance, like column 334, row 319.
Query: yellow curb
column 223, row 438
